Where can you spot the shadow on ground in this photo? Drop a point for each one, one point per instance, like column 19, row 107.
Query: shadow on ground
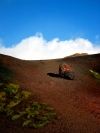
column 68, row 77
column 54, row 75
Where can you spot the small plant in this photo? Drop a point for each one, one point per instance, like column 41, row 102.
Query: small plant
column 95, row 74
column 25, row 94
column 34, row 114
column 2, row 101
column 8, row 111
column 37, row 115
column 11, row 89
column 12, row 104
column 26, row 123
column 2, row 96
column 16, row 116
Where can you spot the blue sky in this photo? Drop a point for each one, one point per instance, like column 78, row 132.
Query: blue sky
column 63, row 19
column 53, row 18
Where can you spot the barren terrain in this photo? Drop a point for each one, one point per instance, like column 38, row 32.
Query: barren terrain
column 76, row 102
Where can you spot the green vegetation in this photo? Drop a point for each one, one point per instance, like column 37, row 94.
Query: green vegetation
column 32, row 114
column 95, row 74
column 11, row 89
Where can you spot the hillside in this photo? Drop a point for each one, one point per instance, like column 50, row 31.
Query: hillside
column 76, row 102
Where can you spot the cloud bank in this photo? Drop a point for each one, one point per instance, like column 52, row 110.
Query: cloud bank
column 38, row 48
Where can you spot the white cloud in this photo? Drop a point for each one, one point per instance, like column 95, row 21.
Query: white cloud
column 37, row 48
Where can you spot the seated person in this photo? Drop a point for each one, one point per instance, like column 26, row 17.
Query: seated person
column 65, row 71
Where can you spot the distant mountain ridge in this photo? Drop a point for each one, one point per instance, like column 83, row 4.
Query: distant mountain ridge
column 78, row 54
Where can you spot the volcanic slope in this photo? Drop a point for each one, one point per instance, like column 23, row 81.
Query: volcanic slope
column 76, row 102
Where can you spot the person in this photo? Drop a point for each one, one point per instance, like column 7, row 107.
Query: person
column 65, row 71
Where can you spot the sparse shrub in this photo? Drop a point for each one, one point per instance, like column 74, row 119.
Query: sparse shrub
column 8, row 111
column 34, row 115
column 25, row 94
column 11, row 89
column 12, row 104
column 2, row 96
column 26, row 123
column 2, row 101
column 95, row 74
column 37, row 115
column 16, row 116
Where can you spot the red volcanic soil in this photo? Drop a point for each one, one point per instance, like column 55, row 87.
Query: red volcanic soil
column 76, row 102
